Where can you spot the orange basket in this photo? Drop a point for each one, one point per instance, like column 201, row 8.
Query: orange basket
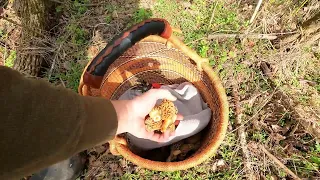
column 148, row 51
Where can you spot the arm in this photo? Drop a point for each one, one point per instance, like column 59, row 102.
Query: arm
column 42, row 125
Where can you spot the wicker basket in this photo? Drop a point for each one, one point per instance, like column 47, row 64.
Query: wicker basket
column 165, row 60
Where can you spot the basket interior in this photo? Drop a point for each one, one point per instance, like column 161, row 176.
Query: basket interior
column 154, row 62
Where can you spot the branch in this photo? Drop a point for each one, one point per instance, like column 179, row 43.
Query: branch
column 241, row 133
column 212, row 15
column 241, row 36
column 255, row 11
column 274, row 159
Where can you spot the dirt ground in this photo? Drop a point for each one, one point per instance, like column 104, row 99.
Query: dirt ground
column 269, row 67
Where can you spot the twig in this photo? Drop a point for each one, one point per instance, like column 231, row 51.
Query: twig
column 272, row 157
column 53, row 63
column 295, row 128
column 256, row 114
column 212, row 15
column 241, row 36
column 56, row 1
column 255, row 11
column 88, row 5
column 62, row 82
column 242, row 134
column 318, row 116
column 296, row 11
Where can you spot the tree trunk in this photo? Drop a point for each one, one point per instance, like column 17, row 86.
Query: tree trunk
column 33, row 15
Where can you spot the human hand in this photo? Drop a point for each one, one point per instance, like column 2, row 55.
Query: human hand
column 131, row 114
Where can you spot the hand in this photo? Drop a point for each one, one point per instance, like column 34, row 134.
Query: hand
column 131, row 114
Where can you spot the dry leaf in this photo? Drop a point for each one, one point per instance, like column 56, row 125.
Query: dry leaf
column 115, row 14
column 277, row 137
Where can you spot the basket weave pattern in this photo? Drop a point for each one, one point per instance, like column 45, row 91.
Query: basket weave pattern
column 155, row 62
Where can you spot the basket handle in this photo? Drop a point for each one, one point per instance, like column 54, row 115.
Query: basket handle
column 97, row 68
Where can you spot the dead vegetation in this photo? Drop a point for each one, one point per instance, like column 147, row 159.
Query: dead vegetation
column 275, row 59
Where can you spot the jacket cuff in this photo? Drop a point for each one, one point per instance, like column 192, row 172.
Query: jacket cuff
column 99, row 123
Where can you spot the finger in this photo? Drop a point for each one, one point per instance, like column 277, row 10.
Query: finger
column 177, row 122
column 166, row 135
column 148, row 135
column 156, row 137
column 161, row 94
column 179, row 117
column 160, row 138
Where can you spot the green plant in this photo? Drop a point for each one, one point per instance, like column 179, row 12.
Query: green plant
column 59, row 9
column 141, row 14
column 78, row 35
column 108, row 19
column 72, row 76
column 260, row 136
column 109, row 8
column 203, row 49
column 282, row 174
column 1, row 33
column 79, row 7
column 315, row 154
column 9, row 61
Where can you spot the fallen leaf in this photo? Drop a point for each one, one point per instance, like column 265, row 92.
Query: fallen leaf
column 276, row 128
column 277, row 137
column 100, row 149
column 67, row 65
column 186, row 4
column 115, row 14
column 123, row 162
column 92, row 51
column 1, row 11
column 251, row 44
column 96, row 163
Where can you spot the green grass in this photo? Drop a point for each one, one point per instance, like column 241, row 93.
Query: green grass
column 79, row 36
column 10, row 56
column 10, row 59
column 260, row 136
column 72, row 76
column 141, row 14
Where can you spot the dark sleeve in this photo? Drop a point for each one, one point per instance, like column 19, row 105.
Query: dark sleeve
column 41, row 124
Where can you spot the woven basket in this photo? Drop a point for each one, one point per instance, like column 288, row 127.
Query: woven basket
column 164, row 60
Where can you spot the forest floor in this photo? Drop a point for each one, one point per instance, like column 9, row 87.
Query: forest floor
column 272, row 66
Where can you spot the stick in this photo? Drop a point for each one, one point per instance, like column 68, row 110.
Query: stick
column 241, row 36
column 255, row 11
column 88, row 5
column 53, row 63
column 272, row 157
column 63, row 84
column 212, row 15
column 242, row 134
